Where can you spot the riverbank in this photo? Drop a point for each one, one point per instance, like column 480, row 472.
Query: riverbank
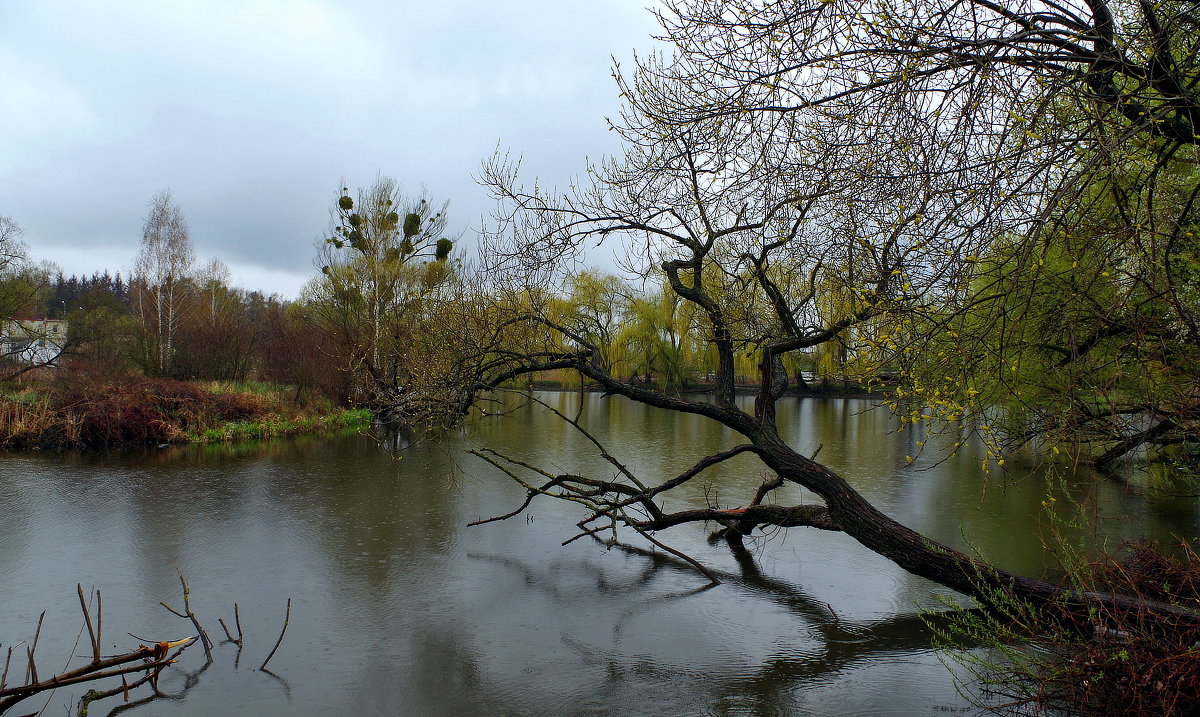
column 75, row 413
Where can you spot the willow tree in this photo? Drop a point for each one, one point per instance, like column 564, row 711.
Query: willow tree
column 595, row 307
column 1091, row 336
column 879, row 147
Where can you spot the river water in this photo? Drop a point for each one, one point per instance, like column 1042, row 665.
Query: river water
column 399, row 608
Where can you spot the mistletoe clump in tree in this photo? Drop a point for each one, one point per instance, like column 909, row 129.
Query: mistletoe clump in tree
column 382, row 264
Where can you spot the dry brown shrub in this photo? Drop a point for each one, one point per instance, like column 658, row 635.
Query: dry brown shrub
column 1106, row 662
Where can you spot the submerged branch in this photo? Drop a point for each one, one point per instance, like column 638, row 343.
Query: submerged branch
column 189, row 615
column 797, row 516
column 153, row 659
column 287, row 617
column 713, row 579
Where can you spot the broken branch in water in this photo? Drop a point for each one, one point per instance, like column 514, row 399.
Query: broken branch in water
column 625, row 501
column 188, row 614
column 150, row 659
column 237, row 620
column 287, row 617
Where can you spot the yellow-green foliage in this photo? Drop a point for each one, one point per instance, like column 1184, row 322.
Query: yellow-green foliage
column 1081, row 332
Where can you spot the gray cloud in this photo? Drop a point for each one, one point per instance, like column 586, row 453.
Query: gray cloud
column 252, row 112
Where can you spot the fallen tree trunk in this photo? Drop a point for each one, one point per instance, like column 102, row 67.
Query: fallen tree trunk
column 929, row 559
column 630, row 502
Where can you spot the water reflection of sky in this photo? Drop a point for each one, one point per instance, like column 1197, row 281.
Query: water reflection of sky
column 399, row 608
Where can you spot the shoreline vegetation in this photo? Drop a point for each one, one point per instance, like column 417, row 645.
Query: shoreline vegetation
column 73, row 412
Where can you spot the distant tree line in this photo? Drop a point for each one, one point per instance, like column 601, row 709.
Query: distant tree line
column 73, row 291
column 170, row 318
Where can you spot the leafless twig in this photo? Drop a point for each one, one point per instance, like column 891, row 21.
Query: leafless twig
column 93, row 635
column 188, row 614
column 287, row 617
column 7, row 661
column 237, row 623
column 31, row 675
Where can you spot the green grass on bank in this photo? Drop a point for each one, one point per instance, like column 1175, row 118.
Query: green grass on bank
column 281, row 427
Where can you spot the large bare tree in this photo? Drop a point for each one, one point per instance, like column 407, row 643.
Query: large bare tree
column 810, row 172
column 1080, row 116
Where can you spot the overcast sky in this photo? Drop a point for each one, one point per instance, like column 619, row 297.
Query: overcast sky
column 252, row 111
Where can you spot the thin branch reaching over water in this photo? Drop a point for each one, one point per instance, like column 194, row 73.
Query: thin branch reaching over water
column 287, row 617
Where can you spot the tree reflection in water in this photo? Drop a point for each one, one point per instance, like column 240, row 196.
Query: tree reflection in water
column 770, row 687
